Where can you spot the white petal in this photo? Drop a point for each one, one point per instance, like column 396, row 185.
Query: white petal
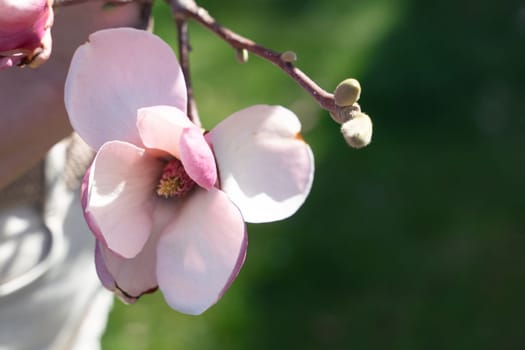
column 121, row 196
column 265, row 166
column 201, row 251
column 130, row 278
column 114, row 74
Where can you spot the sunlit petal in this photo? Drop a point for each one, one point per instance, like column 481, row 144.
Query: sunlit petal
column 117, row 72
column 120, row 197
column 160, row 127
column 264, row 164
column 201, row 251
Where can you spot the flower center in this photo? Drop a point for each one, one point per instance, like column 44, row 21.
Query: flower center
column 174, row 181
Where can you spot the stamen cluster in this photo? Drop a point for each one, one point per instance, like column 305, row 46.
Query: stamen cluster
column 174, row 182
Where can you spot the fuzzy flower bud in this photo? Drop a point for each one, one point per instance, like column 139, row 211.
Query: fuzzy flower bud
column 358, row 131
column 289, row 56
column 25, row 32
column 347, row 92
column 344, row 114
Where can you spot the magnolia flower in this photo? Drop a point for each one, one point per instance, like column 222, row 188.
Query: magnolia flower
column 25, row 32
column 167, row 203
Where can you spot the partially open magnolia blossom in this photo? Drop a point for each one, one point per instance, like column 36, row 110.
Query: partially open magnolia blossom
column 166, row 202
column 25, row 32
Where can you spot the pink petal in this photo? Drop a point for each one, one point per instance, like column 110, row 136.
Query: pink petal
column 160, row 127
column 131, row 278
column 169, row 129
column 43, row 53
column 197, row 158
column 128, row 278
column 121, row 196
column 114, row 74
column 20, row 12
column 265, row 166
column 201, row 251
column 23, row 23
column 84, row 195
column 102, row 270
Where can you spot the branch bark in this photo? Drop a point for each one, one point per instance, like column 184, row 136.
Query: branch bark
column 60, row 3
column 184, row 50
column 189, row 9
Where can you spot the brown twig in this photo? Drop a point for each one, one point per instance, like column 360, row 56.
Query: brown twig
column 59, row 3
column 188, row 9
column 184, row 50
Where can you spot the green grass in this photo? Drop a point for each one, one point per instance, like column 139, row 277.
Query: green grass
column 415, row 242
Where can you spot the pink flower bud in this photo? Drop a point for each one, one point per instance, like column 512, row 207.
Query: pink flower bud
column 25, row 32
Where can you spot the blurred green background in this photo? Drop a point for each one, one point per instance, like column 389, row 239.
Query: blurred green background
column 416, row 242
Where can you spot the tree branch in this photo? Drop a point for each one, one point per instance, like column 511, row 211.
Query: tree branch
column 184, row 50
column 60, row 3
column 188, row 9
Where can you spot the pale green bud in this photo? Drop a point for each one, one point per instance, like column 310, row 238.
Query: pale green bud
column 358, row 131
column 241, row 55
column 347, row 92
column 289, row 56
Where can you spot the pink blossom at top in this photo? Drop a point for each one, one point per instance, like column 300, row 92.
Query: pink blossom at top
column 25, row 32
column 167, row 203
